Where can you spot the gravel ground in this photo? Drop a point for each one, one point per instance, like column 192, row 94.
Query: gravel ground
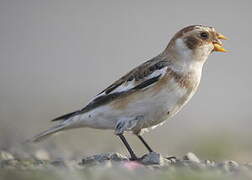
column 115, row 165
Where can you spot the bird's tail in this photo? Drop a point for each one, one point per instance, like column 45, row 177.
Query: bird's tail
column 48, row 132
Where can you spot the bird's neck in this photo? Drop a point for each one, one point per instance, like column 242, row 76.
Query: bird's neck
column 184, row 64
column 183, row 59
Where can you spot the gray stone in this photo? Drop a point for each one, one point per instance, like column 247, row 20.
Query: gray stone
column 154, row 158
column 102, row 158
column 191, row 157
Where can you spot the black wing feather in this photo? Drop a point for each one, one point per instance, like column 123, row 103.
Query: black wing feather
column 66, row 116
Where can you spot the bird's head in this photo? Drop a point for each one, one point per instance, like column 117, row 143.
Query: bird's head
column 196, row 42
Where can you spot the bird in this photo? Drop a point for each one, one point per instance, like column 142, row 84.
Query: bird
column 149, row 94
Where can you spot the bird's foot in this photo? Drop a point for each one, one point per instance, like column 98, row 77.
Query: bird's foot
column 172, row 158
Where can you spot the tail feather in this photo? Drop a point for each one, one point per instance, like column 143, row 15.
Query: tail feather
column 41, row 136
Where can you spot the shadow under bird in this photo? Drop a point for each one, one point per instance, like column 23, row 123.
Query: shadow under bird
column 150, row 93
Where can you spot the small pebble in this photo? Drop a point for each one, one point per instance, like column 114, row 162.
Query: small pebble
column 4, row 155
column 191, row 157
column 210, row 164
column 42, row 155
column 228, row 165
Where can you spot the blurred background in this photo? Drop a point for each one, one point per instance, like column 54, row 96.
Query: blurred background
column 55, row 55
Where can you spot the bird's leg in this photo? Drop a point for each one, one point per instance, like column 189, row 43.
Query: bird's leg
column 145, row 143
column 132, row 154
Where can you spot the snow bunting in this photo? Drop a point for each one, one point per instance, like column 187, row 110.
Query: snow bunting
column 152, row 92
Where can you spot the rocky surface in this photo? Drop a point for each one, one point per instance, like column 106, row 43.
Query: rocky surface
column 190, row 161
column 115, row 165
column 151, row 160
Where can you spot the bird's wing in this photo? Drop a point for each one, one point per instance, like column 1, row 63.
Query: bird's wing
column 142, row 77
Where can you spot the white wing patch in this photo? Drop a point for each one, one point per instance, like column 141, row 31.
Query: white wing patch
column 131, row 84
column 124, row 87
column 157, row 73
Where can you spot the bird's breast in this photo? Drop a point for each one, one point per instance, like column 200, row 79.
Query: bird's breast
column 174, row 92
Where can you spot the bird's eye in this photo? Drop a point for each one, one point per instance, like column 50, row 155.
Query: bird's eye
column 204, row 35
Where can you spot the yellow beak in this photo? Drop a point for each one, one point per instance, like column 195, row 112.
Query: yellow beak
column 221, row 36
column 218, row 45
